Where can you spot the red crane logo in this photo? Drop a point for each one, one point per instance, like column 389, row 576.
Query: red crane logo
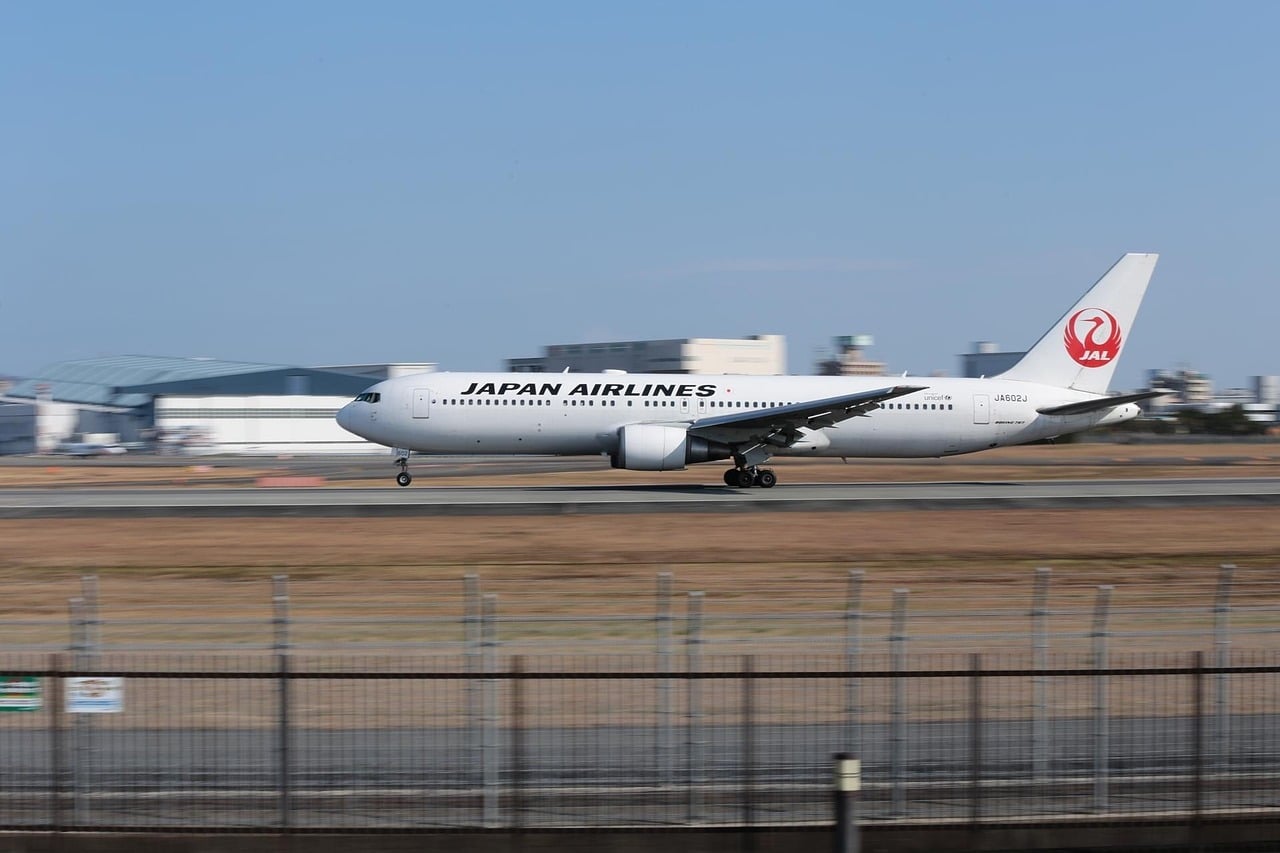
column 1093, row 349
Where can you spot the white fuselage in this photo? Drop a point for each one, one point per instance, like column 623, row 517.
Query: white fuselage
column 581, row 414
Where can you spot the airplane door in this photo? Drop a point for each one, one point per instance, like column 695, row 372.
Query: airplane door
column 422, row 402
column 702, row 406
column 981, row 409
column 684, row 405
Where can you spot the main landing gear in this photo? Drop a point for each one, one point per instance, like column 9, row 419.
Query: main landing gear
column 745, row 478
column 404, row 478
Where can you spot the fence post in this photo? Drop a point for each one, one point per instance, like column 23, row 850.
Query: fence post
column 489, row 732
column 1197, row 735
column 57, row 750
column 517, row 742
column 975, row 737
column 666, row 714
column 282, row 735
column 1040, row 681
column 693, row 667
column 473, row 657
column 1101, row 721
column 81, row 726
column 852, row 660
column 898, row 722
column 848, row 782
column 748, row 747
column 1222, row 660
column 280, row 612
column 92, row 620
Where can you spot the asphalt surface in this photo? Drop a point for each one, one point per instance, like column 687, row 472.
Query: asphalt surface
column 75, row 502
column 622, row 775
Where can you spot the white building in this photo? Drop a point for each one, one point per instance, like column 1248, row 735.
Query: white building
column 184, row 405
column 255, row 426
column 758, row 355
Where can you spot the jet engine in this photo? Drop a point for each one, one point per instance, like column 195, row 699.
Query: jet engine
column 652, row 447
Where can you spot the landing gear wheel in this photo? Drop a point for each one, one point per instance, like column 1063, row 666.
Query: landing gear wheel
column 766, row 479
column 731, row 477
column 404, row 478
column 745, row 477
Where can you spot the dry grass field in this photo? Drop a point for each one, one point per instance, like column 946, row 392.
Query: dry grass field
column 788, row 562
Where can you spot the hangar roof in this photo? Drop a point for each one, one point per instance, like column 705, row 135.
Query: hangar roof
column 129, row 381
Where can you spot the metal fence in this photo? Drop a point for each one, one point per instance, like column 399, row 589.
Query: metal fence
column 820, row 612
column 295, row 742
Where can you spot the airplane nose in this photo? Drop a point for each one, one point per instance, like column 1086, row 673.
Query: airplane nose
column 344, row 417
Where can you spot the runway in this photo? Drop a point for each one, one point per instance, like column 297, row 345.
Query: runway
column 424, row 500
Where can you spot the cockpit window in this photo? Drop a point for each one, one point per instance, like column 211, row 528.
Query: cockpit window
column 368, row 397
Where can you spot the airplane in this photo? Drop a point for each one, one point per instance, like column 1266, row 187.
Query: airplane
column 664, row 422
column 86, row 449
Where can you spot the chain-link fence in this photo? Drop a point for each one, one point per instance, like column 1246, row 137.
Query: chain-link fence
column 831, row 612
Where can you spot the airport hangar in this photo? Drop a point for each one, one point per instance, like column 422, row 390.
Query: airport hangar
column 188, row 406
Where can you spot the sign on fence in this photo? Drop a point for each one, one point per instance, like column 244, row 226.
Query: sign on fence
column 20, row 693
column 95, row 695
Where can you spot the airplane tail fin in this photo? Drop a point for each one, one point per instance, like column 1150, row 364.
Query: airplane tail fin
column 1080, row 351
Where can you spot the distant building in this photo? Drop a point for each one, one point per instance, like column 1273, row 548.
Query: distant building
column 758, row 355
column 1266, row 390
column 1189, row 389
column 849, row 358
column 986, row 359
column 186, row 404
column 17, row 428
column 1265, row 405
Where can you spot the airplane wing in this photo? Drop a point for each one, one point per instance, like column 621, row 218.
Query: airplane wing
column 1100, row 403
column 781, row 425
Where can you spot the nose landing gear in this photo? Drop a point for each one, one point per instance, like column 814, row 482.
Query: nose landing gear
column 746, row 477
column 404, row 478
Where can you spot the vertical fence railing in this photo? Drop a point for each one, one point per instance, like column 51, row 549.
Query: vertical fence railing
column 1039, row 681
column 1197, row 735
column 693, row 692
column 666, row 707
column 284, row 763
column 58, row 770
column 490, row 745
column 898, row 712
column 852, row 661
column 518, row 757
column 473, row 662
column 961, row 766
column 81, row 724
column 747, row 738
column 1221, row 660
column 975, row 737
column 1101, row 717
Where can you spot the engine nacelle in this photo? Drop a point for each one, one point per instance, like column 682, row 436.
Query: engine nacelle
column 653, row 447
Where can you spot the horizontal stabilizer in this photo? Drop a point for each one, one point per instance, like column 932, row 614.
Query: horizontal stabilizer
column 1099, row 404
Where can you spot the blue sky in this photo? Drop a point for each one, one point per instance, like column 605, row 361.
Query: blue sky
column 314, row 183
